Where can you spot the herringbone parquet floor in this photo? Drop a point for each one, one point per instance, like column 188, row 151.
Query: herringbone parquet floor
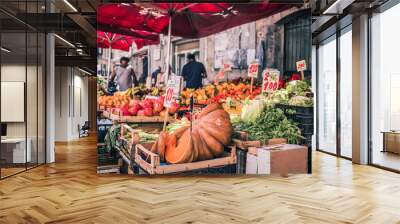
column 70, row 191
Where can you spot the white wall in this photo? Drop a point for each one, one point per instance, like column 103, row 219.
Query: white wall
column 34, row 125
column 71, row 102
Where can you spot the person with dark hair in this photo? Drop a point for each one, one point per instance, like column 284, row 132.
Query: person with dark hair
column 124, row 74
column 193, row 73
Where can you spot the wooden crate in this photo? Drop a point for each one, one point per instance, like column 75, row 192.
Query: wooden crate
column 116, row 115
column 154, row 166
column 135, row 139
column 244, row 144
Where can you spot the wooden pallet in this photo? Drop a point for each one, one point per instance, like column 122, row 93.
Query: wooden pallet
column 108, row 169
column 154, row 166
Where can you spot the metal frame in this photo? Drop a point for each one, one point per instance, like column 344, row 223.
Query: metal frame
column 389, row 4
column 339, row 32
column 44, row 75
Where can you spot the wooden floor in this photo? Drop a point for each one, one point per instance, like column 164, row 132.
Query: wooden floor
column 70, row 191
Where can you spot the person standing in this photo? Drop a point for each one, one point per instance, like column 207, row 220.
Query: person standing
column 193, row 73
column 124, row 75
column 154, row 76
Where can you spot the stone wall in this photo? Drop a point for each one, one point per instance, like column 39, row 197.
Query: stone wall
column 251, row 36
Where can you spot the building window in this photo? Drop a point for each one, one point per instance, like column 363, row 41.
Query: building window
column 327, row 96
column 346, row 94
column 385, row 89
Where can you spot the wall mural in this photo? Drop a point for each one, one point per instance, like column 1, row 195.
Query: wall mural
column 149, row 123
column 232, row 47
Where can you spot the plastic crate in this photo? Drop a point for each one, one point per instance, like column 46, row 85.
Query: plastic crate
column 102, row 130
column 241, row 161
column 106, row 158
column 306, row 128
column 299, row 110
column 303, row 119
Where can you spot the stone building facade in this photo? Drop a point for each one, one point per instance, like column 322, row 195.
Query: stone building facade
column 262, row 39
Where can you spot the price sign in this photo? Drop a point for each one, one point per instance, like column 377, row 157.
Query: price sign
column 253, row 70
column 169, row 97
column 301, row 65
column 270, row 80
column 175, row 82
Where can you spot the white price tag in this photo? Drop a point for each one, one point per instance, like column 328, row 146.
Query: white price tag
column 253, row 70
column 176, row 83
column 270, row 80
column 301, row 65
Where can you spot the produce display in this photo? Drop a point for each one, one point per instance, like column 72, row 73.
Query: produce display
column 210, row 133
column 134, row 107
column 296, row 93
column 219, row 93
column 121, row 98
column 269, row 123
column 101, row 86
column 218, row 112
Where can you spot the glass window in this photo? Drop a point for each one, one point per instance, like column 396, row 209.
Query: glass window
column 385, row 84
column 22, row 91
column 327, row 96
column 15, row 150
column 346, row 94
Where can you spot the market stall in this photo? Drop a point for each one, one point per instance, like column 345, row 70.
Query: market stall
column 231, row 125
column 250, row 125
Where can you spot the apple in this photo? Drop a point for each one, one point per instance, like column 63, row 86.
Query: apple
column 132, row 111
column 125, row 109
column 148, row 112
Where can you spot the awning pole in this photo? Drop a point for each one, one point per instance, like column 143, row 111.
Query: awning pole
column 109, row 62
column 168, row 49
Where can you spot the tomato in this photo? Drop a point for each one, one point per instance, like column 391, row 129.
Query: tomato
column 140, row 113
column 148, row 112
column 158, row 106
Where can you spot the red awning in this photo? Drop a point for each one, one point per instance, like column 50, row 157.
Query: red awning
column 189, row 20
column 120, row 42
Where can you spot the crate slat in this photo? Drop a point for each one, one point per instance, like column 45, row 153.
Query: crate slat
column 155, row 167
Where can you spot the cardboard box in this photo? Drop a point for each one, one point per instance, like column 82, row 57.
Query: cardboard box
column 282, row 159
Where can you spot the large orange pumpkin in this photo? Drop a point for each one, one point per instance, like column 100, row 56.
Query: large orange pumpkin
column 210, row 133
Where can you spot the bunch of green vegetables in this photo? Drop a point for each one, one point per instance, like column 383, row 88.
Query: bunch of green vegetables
column 298, row 88
column 280, row 96
column 178, row 124
column 301, row 101
column 147, row 137
column 110, row 140
column 272, row 123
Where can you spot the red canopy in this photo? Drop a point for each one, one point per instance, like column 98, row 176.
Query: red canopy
column 139, row 34
column 120, row 42
column 189, row 20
